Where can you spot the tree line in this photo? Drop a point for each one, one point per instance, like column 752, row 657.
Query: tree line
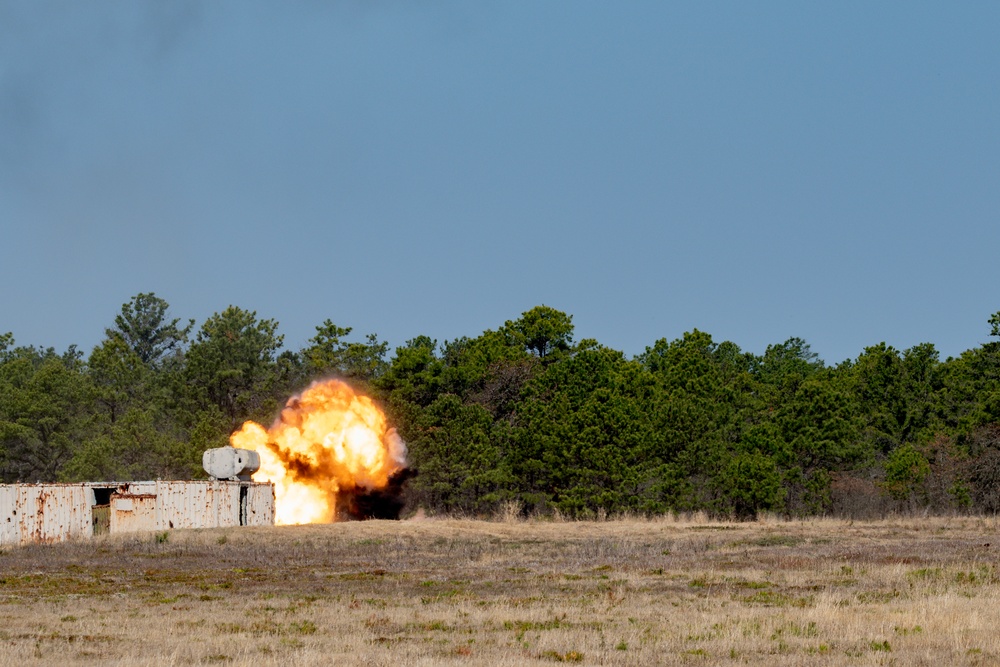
column 525, row 413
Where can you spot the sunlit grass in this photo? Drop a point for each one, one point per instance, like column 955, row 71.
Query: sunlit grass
column 678, row 590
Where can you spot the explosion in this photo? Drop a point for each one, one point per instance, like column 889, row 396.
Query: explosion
column 328, row 454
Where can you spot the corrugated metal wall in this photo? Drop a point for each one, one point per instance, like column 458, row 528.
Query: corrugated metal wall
column 10, row 520
column 44, row 512
column 54, row 512
column 133, row 513
column 213, row 504
column 183, row 506
column 260, row 505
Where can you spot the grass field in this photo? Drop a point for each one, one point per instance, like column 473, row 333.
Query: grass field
column 631, row 592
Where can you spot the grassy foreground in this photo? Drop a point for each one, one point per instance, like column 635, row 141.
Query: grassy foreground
column 632, row 592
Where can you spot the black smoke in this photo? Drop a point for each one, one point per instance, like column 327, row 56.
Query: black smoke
column 385, row 503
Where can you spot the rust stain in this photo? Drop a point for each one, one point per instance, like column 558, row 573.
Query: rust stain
column 55, row 512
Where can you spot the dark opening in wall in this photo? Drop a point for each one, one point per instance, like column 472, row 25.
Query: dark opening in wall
column 244, row 492
column 102, row 495
column 101, row 511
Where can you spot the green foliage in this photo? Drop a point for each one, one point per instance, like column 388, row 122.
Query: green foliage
column 144, row 328
column 984, row 467
column 905, row 470
column 119, row 377
column 708, row 401
column 490, row 370
column 232, row 366
column 784, row 367
column 752, row 483
column 330, row 355
column 543, row 331
column 42, row 413
column 520, row 416
column 133, row 447
column 585, row 438
column 818, row 427
column 877, row 377
column 414, row 374
column 460, row 468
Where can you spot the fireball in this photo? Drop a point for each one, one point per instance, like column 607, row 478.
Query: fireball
column 328, row 441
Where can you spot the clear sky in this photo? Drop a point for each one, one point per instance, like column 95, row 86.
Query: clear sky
column 755, row 170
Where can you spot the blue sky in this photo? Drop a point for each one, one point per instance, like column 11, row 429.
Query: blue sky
column 754, row 170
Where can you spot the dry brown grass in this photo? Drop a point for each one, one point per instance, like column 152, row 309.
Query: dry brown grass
column 626, row 592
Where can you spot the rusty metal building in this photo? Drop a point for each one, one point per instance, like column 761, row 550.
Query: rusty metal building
column 56, row 512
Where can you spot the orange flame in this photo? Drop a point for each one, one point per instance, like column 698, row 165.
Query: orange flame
column 327, row 441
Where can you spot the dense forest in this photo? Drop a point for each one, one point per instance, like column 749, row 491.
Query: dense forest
column 524, row 413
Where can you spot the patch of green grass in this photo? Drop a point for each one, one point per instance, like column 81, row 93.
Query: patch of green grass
column 877, row 597
column 769, row 598
column 443, row 595
column 925, row 573
column 756, row 585
column 797, row 630
column 751, row 629
column 773, row 541
column 981, row 575
column 713, row 633
column 369, row 575
column 569, row 656
column 230, row 628
column 524, row 626
column 159, row 597
column 219, row 586
column 439, row 626
column 303, row 627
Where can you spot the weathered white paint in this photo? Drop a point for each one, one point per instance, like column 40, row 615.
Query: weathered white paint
column 55, row 512
column 123, row 504
column 133, row 514
column 230, row 462
column 10, row 521
column 260, row 505
column 51, row 512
